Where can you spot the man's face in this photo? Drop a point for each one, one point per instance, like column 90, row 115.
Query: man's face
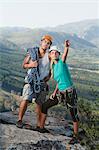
column 54, row 54
column 45, row 44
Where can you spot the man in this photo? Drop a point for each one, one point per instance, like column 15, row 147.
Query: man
column 36, row 89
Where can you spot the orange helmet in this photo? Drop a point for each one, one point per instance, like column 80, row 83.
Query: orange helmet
column 48, row 37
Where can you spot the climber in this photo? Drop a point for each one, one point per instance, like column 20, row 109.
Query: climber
column 64, row 87
column 35, row 86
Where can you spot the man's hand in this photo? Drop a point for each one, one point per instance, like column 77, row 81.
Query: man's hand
column 33, row 64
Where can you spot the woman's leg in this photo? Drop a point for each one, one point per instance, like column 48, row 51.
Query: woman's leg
column 45, row 106
column 74, row 115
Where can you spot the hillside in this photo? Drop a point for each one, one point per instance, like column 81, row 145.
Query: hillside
column 28, row 38
column 11, row 72
column 5, row 44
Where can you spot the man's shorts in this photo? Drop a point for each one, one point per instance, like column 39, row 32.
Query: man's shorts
column 28, row 94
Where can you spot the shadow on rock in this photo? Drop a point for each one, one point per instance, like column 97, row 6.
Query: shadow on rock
column 40, row 145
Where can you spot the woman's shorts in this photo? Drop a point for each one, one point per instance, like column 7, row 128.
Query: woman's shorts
column 69, row 99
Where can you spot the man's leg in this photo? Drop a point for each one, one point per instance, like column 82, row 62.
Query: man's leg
column 45, row 106
column 22, row 109
column 39, row 100
column 27, row 95
column 42, row 114
column 75, row 127
column 43, row 119
column 38, row 111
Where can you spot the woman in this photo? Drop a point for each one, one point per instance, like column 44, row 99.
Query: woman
column 61, row 74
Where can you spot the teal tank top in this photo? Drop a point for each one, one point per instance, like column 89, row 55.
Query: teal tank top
column 62, row 75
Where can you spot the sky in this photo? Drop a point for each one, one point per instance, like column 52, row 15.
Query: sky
column 46, row 13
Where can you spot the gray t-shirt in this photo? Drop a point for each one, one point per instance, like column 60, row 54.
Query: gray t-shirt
column 44, row 66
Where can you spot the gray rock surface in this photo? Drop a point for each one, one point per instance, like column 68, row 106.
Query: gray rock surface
column 13, row 138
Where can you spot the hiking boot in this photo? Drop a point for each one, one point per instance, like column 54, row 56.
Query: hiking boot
column 19, row 124
column 74, row 140
column 43, row 130
column 36, row 128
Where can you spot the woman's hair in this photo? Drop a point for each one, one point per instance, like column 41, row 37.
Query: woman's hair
column 51, row 68
column 51, row 65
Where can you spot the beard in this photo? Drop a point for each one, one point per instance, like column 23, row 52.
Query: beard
column 45, row 48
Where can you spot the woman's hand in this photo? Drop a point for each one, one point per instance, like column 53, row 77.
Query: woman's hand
column 67, row 43
column 66, row 49
column 53, row 95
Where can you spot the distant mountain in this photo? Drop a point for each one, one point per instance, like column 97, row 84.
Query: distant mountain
column 76, row 27
column 6, row 31
column 92, row 35
column 88, row 29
